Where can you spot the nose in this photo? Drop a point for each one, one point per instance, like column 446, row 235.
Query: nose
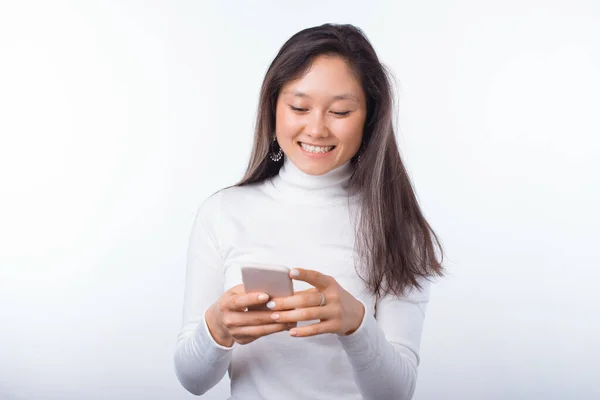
column 317, row 127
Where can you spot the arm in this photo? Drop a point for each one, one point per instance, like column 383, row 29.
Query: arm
column 200, row 362
column 384, row 352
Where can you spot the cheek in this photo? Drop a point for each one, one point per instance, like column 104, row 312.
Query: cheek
column 350, row 132
column 285, row 124
column 278, row 119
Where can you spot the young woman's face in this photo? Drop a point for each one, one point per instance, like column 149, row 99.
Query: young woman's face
column 320, row 116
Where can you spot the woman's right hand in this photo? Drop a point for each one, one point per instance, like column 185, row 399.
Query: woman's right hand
column 228, row 321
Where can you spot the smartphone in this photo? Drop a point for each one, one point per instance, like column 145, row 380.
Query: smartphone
column 273, row 280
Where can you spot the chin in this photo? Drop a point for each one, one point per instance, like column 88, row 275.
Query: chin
column 319, row 165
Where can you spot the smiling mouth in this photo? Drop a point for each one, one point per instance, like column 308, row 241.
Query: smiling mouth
column 315, row 149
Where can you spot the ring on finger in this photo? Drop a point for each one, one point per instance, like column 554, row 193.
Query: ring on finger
column 322, row 299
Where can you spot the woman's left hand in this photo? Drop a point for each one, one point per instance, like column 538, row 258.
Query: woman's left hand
column 341, row 312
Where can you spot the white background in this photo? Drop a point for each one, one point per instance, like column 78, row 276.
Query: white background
column 117, row 118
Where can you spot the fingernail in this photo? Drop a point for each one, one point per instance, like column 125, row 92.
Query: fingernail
column 293, row 332
column 271, row 304
column 295, row 272
column 275, row 316
column 263, row 296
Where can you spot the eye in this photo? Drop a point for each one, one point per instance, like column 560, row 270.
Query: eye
column 342, row 113
column 297, row 109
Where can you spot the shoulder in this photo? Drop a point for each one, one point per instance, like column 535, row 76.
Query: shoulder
column 233, row 197
column 206, row 219
column 228, row 199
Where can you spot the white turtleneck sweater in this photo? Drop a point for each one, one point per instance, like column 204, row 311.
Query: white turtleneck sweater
column 304, row 221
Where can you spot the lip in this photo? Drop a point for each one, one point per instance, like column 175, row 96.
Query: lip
column 317, row 145
column 316, row 155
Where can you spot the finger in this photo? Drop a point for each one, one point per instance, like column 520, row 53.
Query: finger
column 303, row 314
column 250, row 318
column 259, row 331
column 315, row 329
column 243, row 301
column 315, row 278
column 304, row 299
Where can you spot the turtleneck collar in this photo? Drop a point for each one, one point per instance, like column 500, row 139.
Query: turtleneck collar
column 331, row 186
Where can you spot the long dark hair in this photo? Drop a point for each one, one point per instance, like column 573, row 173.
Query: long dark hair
column 394, row 241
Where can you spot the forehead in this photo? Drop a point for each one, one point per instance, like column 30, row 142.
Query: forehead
column 327, row 76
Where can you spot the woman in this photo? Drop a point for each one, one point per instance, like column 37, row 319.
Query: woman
column 326, row 194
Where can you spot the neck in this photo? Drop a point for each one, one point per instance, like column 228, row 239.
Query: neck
column 332, row 185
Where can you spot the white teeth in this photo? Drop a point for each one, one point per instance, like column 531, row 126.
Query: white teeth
column 316, row 149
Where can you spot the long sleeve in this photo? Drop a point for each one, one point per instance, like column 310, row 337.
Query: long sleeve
column 200, row 362
column 384, row 351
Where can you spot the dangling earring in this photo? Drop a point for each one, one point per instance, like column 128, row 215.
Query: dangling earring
column 276, row 154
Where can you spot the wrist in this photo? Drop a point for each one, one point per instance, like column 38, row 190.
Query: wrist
column 216, row 329
column 359, row 317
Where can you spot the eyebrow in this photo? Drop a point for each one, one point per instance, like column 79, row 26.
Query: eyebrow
column 343, row 96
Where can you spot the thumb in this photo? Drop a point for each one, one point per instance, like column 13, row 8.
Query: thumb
column 237, row 290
